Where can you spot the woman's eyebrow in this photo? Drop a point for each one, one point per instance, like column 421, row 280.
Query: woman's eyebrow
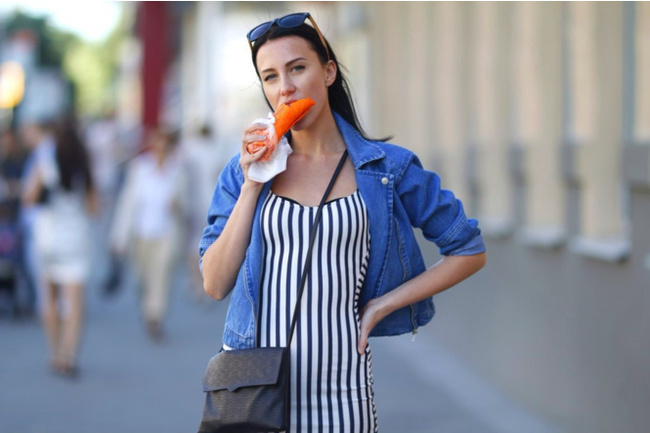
column 289, row 63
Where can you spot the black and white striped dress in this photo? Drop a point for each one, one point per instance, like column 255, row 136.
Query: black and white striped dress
column 331, row 384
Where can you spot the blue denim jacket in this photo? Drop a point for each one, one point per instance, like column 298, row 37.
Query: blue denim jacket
column 399, row 195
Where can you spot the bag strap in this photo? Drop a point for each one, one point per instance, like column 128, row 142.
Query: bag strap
column 312, row 237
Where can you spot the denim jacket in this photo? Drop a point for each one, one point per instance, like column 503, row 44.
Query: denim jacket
column 399, row 195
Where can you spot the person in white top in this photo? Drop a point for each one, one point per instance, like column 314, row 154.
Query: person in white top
column 62, row 233
column 147, row 223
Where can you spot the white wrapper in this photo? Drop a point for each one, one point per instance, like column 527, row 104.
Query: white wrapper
column 263, row 171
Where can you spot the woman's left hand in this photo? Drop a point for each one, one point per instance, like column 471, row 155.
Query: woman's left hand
column 448, row 272
column 371, row 314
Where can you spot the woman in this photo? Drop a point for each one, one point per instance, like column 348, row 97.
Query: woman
column 147, row 224
column 63, row 184
column 368, row 273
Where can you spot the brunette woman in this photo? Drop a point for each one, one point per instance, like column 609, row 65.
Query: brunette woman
column 368, row 276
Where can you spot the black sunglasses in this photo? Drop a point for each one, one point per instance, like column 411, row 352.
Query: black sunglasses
column 287, row 22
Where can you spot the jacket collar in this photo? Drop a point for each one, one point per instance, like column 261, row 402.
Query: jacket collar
column 361, row 151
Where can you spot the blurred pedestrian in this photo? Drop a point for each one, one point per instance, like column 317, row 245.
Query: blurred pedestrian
column 203, row 160
column 62, row 183
column 37, row 137
column 147, row 223
column 107, row 154
column 367, row 275
column 12, row 161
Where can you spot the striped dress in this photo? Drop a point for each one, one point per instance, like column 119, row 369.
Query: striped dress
column 331, row 384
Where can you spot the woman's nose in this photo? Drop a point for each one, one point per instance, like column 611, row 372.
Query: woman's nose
column 287, row 86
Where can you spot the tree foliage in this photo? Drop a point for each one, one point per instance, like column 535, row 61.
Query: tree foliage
column 52, row 43
column 89, row 66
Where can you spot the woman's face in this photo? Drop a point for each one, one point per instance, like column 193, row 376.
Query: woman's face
column 290, row 69
column 158, row 142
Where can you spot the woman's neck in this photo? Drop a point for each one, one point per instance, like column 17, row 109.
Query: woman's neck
column 160, row 158
column 321, row 138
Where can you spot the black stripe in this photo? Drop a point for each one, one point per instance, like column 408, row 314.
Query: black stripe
column 310, row 331
column 298, row 339
column 356, row 265
column 339, row 328
column 330, row 302
column 319, row 295
column 280, row 332
column 265, row 292
column 349, row 328
column 288, row 303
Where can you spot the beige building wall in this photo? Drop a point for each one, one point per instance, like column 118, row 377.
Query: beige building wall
column 596, row 87
column 449, row 99
column 642, row 72
column 538, row 117
column 521, row 108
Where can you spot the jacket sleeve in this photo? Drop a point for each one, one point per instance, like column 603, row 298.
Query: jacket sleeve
column 437, row 212
column 223, row 201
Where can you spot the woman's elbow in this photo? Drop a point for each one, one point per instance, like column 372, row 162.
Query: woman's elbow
column 215, row 290
column 479, row 261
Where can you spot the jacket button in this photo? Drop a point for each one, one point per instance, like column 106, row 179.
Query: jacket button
column 384, row 180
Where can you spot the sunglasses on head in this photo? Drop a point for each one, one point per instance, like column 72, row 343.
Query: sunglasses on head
column 287, row 22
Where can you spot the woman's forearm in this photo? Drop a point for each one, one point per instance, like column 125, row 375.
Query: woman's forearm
column 223, row 259
column 448, row 272
column 445, row 274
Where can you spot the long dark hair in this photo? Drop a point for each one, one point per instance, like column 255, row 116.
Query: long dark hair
column 72, row 157
column 339, row 94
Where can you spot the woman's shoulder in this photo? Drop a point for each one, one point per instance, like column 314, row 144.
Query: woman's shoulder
column 394, row 150
column 394, row 157
column 365, row 150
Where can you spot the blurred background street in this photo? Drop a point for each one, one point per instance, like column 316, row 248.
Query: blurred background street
column 536, row 115
column 129, row 383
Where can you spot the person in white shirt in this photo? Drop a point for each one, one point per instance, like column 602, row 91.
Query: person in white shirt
column 62, row 231
column 147, row 223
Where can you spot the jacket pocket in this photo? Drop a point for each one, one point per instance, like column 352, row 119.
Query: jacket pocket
column 401, row 251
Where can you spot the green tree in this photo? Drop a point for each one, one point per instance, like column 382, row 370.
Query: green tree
column 90, row 67
column 93, row 66
column 52, row 42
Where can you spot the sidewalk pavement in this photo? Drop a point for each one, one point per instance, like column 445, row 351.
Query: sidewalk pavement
column 130, row 384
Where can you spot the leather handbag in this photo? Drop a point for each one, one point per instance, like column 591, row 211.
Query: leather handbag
column 247, row 390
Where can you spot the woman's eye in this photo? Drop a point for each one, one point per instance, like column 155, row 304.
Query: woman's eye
column 270, row 77
column 298, row 68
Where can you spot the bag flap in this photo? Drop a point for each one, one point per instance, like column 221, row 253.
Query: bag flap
column 234, row 369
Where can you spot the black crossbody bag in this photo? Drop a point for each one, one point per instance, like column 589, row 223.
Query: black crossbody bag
column 247, row 390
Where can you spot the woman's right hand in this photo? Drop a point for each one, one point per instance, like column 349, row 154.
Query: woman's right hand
column 251, row 135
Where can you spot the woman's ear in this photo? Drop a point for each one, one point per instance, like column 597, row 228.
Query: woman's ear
column 330, row 72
